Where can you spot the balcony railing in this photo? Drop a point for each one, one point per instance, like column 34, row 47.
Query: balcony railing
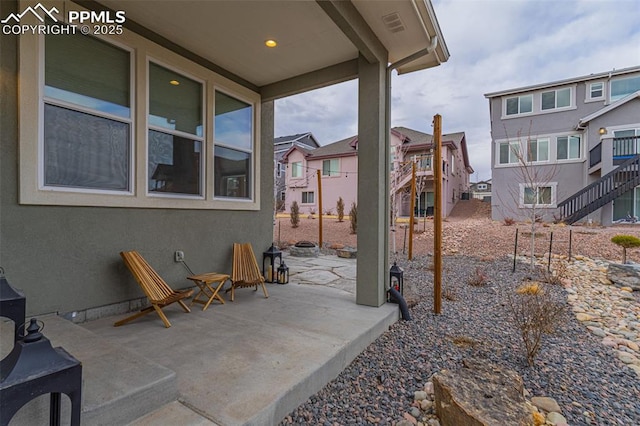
column 627, row 147
column 595, row 155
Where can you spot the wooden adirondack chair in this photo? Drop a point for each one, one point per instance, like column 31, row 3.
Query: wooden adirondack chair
column 154, row 287
column 246, row 272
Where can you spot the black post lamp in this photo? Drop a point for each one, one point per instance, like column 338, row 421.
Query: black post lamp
column 269, row 271
column 283, row 274
column 396, row 279
column 12, row 304
column 34, row 368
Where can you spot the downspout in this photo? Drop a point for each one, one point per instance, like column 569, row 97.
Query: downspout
column 387, row 111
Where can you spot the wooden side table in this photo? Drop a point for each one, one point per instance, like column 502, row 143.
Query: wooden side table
column 210, row 285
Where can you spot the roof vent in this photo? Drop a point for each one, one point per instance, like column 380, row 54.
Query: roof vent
column 393, row 22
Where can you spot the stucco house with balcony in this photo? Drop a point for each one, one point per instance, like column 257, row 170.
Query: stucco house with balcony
column 338, row 166
column 159, row 137
column 568, row 148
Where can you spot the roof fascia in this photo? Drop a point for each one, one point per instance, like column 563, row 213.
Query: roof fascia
column 327, row 76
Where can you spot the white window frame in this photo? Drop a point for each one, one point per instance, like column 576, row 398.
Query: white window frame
column 569, row 158
column 589, row 91
column 519, row 113
column 555, row 99
column 537, row 141
column 306, row 193
column 332, row 173
column 278, row 169
column 537, row 186
column 294, row 166
column 481, row 187
column 615, row 80
column 512, row 155
column 31, row 110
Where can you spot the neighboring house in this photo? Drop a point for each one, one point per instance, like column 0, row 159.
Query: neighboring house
column 481, row 190
column 338, row 166
column 576, row 140
column 159, row 137
column 280, row 146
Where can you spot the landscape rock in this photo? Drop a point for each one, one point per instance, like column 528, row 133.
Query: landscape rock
column 556, row 418
column 546, row 404
column 625, row 275
column 480, row 393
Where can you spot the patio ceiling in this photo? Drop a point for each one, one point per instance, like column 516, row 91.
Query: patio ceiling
column 318, row 42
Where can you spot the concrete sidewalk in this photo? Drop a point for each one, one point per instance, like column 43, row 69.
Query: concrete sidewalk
column 248, row 362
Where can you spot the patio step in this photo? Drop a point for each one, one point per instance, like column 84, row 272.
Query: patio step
column 119, row 386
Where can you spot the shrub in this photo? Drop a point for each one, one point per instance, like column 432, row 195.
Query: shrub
column 508, row 221
column 295, row 214
column 626, row 242
column 534, row 314
column 353, row 216
column 558, row 272
column 340, row 209
column 478, row 278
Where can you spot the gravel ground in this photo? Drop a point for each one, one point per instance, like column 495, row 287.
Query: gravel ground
column 573, row 367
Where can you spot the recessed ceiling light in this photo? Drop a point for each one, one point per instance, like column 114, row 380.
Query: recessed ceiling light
column 174, row 82
column 271, row 43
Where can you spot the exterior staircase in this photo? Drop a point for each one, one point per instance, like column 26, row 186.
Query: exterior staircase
column 401, row 176
column 609, row 187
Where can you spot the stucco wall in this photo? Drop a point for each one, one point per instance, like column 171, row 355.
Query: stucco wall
column 67, row 258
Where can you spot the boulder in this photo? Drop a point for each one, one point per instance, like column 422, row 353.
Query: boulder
column 625, row 275
column 480, row 394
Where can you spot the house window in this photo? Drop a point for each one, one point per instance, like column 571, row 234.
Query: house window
column 556, row 99
column 568, row 147
column 278, row 169
column 623, row 87
column 453, row 164
column 538, row 195
column 87, row 115
column 283, row 195
column 330, row 167
column 482, row 186
column 596, row 90
column 537, row 150
column 308, row 197
column 519, row 105
column 175, row 133
column 233, row 150
column 296, row 169
column 509, row 152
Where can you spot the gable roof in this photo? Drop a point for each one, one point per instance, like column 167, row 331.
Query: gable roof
column 305, row 138
column 582, row 123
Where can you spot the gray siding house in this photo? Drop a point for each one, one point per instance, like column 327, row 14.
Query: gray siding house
column 158, row 136
column 281, row 145
column 568, row 149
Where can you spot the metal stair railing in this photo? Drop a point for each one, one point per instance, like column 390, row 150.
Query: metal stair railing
column 609, row 187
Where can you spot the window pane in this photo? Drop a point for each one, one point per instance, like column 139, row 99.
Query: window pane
column 232, row 171
column 532, row 151
column 544, row 195
column 548, row 100
column 574, row 147
column 563, row 149
column 623, row 87
column 307, row 197
column 233, row 124
column 174, row 164
column 85, row 151
column 596, row 90
column 504, row 153
column 512, row 106
column 526, row 104
column 326, row 168
column 563, row 98
column 529, row 195
column 175, row 101
column 296, row 169
column 543, row 150
column 89, row 72
column 514, row 152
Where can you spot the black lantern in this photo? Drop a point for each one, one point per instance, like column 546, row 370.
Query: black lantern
column 283, row 274
column 12, row 304
column 34, row 368
column 396, row 279
column 269, row 271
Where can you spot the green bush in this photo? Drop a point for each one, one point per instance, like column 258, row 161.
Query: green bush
column 295, row 214
column 340, row 209
column 353, row 215
column 626, row 242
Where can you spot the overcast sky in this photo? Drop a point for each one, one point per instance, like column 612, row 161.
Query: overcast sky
column 494, row 45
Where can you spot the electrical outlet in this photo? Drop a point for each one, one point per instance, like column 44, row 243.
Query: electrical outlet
column 179, row 256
